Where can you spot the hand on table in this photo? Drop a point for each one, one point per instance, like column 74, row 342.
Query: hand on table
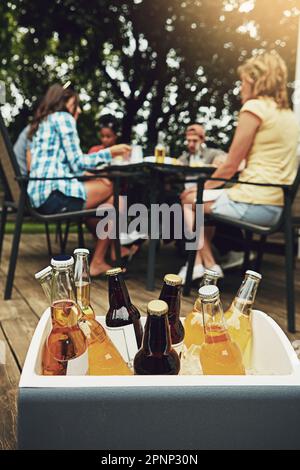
column 120, row 150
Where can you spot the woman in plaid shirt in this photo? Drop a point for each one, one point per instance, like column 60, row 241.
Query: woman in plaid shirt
column 55, row 152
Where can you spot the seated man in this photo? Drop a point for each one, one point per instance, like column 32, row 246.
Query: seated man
column 197, row 151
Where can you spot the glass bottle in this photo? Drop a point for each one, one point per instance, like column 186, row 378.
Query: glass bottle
column 66, row 341
column 239, row 315
column 50, row 366
column 193, row 325
column 171, row 294
column 160, row 149
column 219, row 355
column 156, row 357
column 123, row 319
column 104, row 358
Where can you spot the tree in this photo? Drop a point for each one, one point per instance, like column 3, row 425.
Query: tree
column 163, row 63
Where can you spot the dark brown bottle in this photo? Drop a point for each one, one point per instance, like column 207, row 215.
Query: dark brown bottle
column 122, row 312
column 157, row 356
column 171, row 294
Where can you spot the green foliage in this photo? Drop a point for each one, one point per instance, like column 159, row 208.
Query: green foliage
column 164, row 63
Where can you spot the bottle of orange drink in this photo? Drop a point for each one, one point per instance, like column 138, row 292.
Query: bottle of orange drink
column 193, row 325
column 238, row 317
column 219, row 355
column 103, row 357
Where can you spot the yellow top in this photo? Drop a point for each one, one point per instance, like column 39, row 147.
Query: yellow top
column 157, row 307
column 272, row 158
column 173, row 280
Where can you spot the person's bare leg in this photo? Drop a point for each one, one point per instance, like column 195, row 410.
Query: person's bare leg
column 206, row 254
column 189, row 217
column 98, row 192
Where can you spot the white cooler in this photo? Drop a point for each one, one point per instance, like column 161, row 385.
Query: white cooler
column 260, row 411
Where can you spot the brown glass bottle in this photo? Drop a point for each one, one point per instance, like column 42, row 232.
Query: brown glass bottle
column 157, row 357
column 171, row 294
column 122, row 312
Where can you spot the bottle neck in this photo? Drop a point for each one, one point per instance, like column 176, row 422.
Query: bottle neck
column 172, row 295
column 209, row 281
column 117, row 292
column 46, row 285
column 82, row 280
column 246, row 294
column 157, row 339
column 213, row 320
column 62, row 286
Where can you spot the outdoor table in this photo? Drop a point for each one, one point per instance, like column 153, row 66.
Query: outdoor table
column 155, row 175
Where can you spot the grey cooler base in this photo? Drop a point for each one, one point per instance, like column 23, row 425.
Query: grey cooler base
column 187, row 418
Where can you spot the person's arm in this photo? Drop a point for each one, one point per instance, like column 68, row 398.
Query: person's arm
column 28, row 159
column 78, row 161
column 244, row 136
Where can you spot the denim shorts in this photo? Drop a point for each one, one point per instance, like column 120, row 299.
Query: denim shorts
column 265, row 215
column 58, row 202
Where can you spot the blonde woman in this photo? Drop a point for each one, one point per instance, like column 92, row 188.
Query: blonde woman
column 266, row 138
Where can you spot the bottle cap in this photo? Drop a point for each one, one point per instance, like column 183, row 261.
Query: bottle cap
column 114, row 271
column 83, row 251
column 157, row 308
column 208, row 292
column 62, row 261
column 211, row 273
column 173, row 280
column 254, row 274
column 43, row 272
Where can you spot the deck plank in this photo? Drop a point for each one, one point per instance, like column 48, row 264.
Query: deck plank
column 9, row 378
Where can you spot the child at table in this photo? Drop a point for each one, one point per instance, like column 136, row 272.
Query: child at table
column 108, row 133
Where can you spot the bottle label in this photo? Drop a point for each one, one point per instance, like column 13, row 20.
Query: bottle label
column 78, row 366
column 178, row 347
column 125, row 340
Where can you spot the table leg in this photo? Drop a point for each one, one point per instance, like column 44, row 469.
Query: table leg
column 150, row 284
column 117, row 209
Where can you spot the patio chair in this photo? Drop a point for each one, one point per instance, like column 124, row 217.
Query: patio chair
column 287, row 224
column 17, row 200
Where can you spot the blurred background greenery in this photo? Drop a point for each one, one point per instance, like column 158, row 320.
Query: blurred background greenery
column 155, row 64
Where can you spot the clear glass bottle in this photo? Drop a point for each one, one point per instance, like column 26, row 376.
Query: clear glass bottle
column 219, row 355
column 66, row 341
column 44, row 278
column 239, row 315
column 160, row 149
column 193, row 325
column 104, row 358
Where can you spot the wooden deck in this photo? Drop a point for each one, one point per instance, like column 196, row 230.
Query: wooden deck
column 19, row 316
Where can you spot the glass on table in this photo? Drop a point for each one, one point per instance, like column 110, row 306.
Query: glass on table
column 136, row 154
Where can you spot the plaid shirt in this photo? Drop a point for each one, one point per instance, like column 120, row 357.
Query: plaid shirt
column 56, row 152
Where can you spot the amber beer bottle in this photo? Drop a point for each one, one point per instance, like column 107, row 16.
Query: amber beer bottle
column 219, row 355
column 122, row 313
column 66, row 341
column 171, row 294
column 104, row 358
column 157, row 357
